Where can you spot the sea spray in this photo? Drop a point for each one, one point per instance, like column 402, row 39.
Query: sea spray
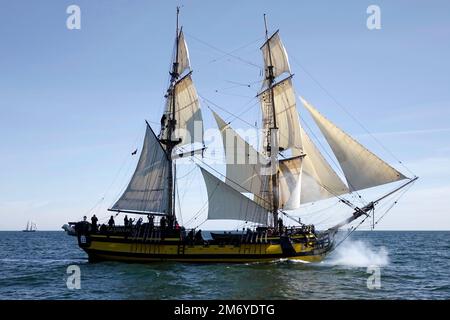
column 357, row 253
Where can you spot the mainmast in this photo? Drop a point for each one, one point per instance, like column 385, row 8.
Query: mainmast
column 272, row 132
column 170, row 144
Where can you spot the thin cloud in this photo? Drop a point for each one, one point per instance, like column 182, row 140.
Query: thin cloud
column 405, row 132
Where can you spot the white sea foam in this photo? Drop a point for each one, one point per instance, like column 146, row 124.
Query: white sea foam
column 358, row 254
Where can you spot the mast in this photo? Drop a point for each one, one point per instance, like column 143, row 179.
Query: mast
column 170, row 144
column 272, row 130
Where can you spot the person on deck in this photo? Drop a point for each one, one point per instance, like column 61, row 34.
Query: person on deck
column 280, row 226
column 191, row 236
column 125, row 221
column 170, row 222
column 83, row 225
column 162, row 223
column 198, row 236
column 111, row 222
column 151, row 221
column 94, row 221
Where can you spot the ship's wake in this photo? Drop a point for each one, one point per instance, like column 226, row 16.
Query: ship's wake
column 357, row 253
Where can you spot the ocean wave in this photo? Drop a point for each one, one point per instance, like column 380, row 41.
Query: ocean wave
column 358, row 254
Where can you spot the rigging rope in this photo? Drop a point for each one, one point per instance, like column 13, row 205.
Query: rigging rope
column 394, row 203
column 373, row 211
column 227, row 53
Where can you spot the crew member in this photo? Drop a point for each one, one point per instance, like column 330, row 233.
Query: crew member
column 94, row 221
column 280, row 225
column 198, row 236
column 111, row 222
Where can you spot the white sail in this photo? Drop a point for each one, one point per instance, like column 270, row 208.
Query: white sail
column 224, row 202
column 277, row 58
column 148, row 188
column 183, row 54
column 290, row 171
column 188, row 116
column 286, row 114
column 242, row 160
column 319, row 180
column 361, row 168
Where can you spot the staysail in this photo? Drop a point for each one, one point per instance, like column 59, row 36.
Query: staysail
column 290, row 177
column 362, row 168
column 148, row 189
column 319, row 180
column 243, row 162
column 224, row 202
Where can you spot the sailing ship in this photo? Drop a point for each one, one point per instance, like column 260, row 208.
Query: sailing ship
column 31, row 227
column 261, row 184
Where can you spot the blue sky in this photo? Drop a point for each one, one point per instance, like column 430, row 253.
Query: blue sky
column 73, row 102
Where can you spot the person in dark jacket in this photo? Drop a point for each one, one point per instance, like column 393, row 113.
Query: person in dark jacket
column 198, row 236
column 94, row 221
column 111, row 222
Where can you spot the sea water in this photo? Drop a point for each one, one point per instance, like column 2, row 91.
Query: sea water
column 408, row 265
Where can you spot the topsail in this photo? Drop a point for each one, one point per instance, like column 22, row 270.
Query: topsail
column 183, row 54
column 188, row 116
column 286, row 114
column 276, row 56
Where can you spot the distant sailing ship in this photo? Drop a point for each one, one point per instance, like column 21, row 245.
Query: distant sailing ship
column 289, row 171
column 31, row 227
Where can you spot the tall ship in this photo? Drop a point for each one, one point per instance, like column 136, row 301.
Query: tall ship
column 261, row 186
column 31, row 227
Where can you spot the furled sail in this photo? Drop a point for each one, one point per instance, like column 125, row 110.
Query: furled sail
column 189, row 122
column 277, row 58
column 319, row 180
column 148, row 188
column 290, row 176
column 242, row 160
column 224, row 202
column 286, row 113
column 183, row 54
column 361, row 168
